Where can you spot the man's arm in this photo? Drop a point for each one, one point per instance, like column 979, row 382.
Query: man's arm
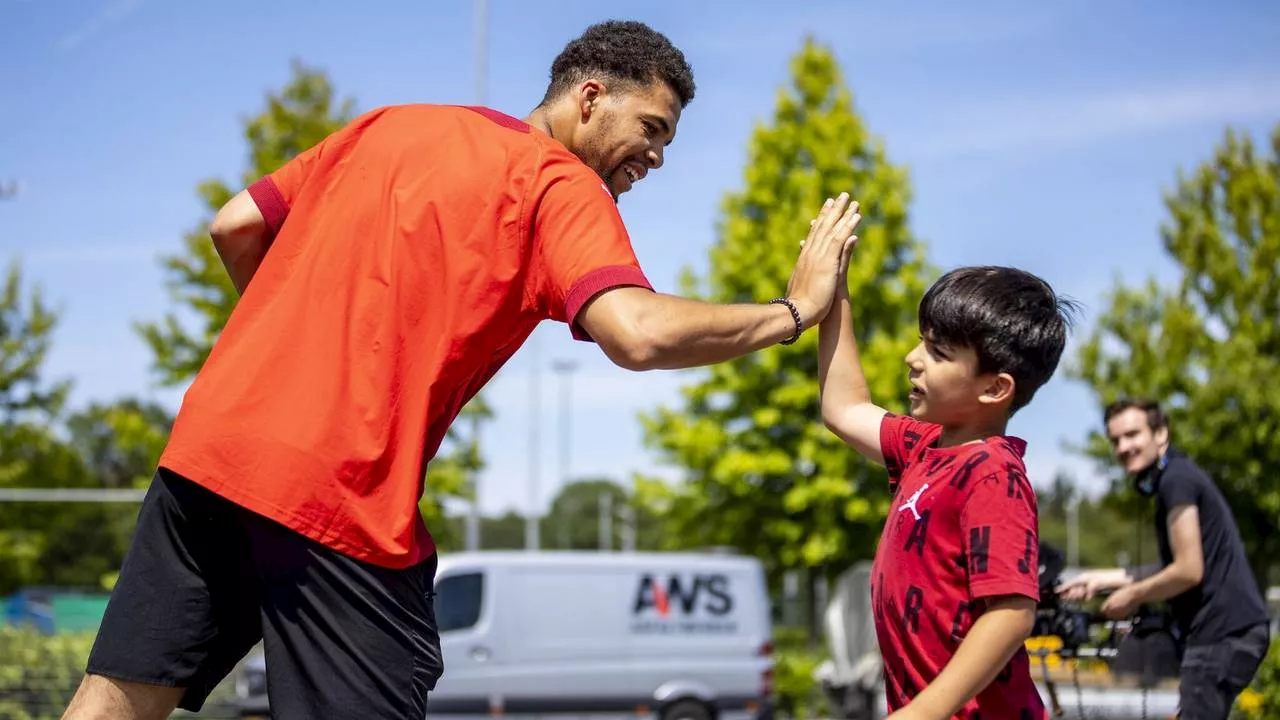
column 1090, row 582
column 1187, row 569
column 995, row 636
column 642, row 330
column 847, row 408
column 639, row 329
column 241, row 237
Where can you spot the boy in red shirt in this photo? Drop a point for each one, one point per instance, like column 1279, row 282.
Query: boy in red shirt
column 955, row 577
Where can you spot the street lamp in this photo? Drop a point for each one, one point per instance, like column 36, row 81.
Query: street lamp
column 565, row 369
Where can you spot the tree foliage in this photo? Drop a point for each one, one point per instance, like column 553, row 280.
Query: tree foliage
column 105, row 445
column 26, row 333
column 30, row 455
column 757, row 460
column 1109, row 531
column 452, row 472
column 1208, row 347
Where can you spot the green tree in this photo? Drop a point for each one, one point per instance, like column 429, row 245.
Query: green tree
column 573, row 520
column 30, row 454
column 1107, row 528
column 73, row 543
column 505, row 532
column 26, row 334
column 120, row 443
column 452, row 472
column 1209, row 346
column 298, row 117
column 762, row 474
column 77, row 544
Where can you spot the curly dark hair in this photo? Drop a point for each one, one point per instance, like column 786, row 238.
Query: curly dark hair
column 626, row 51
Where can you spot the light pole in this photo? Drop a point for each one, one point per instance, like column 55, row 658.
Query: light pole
column 531, row 518
column 565, row 369
column 482, row 52
column 473, row 518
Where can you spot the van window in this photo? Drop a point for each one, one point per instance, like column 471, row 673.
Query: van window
column 458, row 599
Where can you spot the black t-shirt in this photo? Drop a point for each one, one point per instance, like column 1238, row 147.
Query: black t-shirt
column 1227, row 599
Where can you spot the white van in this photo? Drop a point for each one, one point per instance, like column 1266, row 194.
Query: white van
column 672, row 636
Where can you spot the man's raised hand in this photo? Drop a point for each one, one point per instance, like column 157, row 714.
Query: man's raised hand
column 822, row 256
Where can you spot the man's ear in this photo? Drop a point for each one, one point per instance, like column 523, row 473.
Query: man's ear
column 999, row 389
column 590, row 93
column 1162, row 435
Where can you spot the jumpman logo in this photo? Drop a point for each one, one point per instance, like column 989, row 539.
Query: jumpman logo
column 911, row 504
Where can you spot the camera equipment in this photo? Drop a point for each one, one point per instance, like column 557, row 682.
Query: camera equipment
column 1143, row 646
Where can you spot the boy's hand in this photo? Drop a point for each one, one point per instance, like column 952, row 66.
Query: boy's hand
column 842, row 278
column 814, row 282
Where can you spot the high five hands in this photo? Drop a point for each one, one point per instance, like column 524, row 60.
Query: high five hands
column 824, row 259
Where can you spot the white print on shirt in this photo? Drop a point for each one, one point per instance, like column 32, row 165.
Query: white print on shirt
column 911, row 503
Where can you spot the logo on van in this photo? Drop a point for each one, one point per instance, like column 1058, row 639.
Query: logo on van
column 672, row 604
column 691, row 593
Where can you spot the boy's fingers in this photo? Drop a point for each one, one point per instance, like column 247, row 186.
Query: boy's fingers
column 846, row 253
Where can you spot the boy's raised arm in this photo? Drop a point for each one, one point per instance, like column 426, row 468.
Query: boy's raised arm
column 847, row 408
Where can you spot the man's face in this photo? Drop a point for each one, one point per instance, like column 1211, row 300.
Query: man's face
column 624, row 131
column 1135, row 445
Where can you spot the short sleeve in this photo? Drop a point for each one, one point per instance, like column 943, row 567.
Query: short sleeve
column 901, row 439
column 1000, row 531
column 276, row 192
column 582, row 245
column 1178, row 487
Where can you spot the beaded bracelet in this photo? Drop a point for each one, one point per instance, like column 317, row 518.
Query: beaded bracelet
column 795, row 314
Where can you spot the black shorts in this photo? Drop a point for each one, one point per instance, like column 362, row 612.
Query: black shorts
column 204, row 580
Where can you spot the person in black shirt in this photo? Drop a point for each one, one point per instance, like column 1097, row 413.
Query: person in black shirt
column 1203, row 574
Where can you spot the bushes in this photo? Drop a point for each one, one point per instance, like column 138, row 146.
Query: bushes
column 1262, row 700
column 39, row 673
column 797, row 694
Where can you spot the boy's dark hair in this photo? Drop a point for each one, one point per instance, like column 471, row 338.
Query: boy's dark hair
column 1011, row 319
column 1156, row 418
column 624, row 50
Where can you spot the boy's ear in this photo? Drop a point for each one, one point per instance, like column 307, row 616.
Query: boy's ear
column 999, row 389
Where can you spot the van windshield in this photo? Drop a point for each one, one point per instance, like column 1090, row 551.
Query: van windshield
column 458, row 601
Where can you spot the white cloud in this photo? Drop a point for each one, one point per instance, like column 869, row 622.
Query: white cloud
column 95, row 24
column 1059, row 122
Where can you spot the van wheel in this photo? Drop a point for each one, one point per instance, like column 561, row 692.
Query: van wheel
column 686, row 710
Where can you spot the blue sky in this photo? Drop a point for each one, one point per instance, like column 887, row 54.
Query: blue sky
column 1037, row 135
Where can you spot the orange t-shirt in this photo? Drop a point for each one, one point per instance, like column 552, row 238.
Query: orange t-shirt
column 414, row 252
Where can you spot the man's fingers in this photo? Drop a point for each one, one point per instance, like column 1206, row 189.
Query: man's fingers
column 818, row 225
column 827, row 219
column 848, row 222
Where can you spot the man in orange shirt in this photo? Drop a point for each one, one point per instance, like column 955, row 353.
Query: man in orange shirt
column 385, row 275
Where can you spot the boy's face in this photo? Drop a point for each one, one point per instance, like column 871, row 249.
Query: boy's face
column 945, row 385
